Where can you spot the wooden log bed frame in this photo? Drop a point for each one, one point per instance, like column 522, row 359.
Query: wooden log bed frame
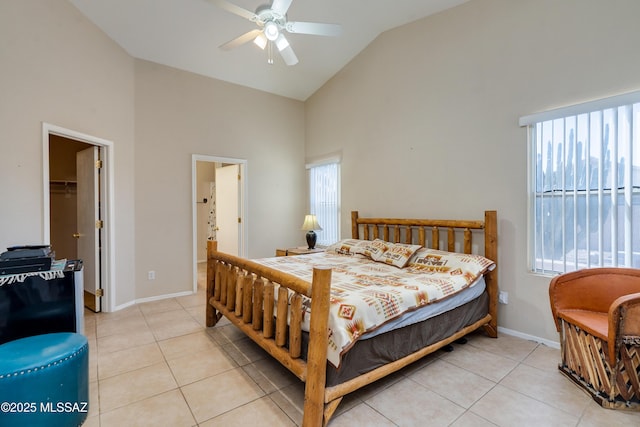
column 243, row 291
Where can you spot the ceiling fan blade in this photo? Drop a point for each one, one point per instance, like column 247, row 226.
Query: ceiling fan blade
column 286, row 51
column 237, row 10
column 281, row 6
column 315, row 28
column 246, row 37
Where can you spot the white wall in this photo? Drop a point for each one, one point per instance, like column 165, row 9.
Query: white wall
column 179, row 114
column 56, row 67
column 427, row 117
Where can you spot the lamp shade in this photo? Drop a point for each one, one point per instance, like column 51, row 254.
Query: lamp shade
column 310, row 223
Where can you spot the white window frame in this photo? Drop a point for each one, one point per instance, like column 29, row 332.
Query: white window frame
column 621, row 193
column 333, row 225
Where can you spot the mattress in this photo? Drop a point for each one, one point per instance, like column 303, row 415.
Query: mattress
column 431, row 310
column 370, row 298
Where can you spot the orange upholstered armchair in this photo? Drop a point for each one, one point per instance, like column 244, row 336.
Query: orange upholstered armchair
column 597, row 313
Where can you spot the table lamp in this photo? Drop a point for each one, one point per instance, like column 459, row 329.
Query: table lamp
column 310, row 224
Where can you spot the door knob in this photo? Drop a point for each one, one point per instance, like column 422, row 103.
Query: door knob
column 76, row 235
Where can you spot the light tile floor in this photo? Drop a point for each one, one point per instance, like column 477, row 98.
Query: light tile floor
column 155, row 364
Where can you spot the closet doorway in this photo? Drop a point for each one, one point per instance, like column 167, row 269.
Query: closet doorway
column 76, row 202
column 218, row 189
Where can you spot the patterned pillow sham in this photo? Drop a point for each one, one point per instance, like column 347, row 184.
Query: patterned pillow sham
column 469, row 265
column 368, row 248
column 344, row 246
column 371, row 248
column 397, row 254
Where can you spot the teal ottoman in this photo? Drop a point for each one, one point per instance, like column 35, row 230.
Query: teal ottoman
column 44, row 380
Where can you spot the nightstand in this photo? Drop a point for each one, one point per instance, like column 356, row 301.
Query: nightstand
column 297, row 251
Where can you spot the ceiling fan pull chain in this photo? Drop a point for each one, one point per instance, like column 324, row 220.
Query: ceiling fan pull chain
column 270, row 53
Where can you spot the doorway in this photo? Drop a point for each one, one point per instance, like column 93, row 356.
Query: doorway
column 76, row 205
column 218, row 188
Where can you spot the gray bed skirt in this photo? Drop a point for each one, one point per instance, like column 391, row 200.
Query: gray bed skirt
column 369, row 354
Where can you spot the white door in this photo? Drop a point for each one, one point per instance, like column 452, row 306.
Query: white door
column 227, row 216
column 88, row 234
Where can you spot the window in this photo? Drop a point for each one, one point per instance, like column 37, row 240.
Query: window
column 324, row 199
column 584, row 186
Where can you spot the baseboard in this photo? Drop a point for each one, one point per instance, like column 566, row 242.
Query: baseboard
column 548, row 343
column 161, row 297
column 122, row 306
column 149, row 299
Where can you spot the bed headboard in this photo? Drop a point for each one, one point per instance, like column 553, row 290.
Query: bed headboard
column 443, row 235
column 434, row 233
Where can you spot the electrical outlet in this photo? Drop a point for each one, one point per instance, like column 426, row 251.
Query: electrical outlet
column 503, row 297
column 152, row 275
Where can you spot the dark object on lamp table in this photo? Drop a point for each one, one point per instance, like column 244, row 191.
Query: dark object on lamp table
column 310, row 224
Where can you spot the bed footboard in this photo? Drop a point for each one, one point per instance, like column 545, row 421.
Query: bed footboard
column 245, row 293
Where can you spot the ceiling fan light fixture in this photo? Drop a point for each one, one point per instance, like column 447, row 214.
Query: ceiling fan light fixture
column 271, row 31
column 261, row 41
column 282, row 43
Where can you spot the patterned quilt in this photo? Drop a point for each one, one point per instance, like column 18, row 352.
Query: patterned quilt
column 365, row 294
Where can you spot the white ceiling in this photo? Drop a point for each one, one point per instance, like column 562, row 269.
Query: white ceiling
column 185, row 34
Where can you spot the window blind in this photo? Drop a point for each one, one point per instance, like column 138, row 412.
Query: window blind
column 585, row 185
column 324, row 200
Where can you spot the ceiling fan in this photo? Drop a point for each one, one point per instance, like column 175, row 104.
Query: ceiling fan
column 272, row 23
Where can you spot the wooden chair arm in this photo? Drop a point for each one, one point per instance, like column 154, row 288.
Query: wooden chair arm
column 624, row 320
